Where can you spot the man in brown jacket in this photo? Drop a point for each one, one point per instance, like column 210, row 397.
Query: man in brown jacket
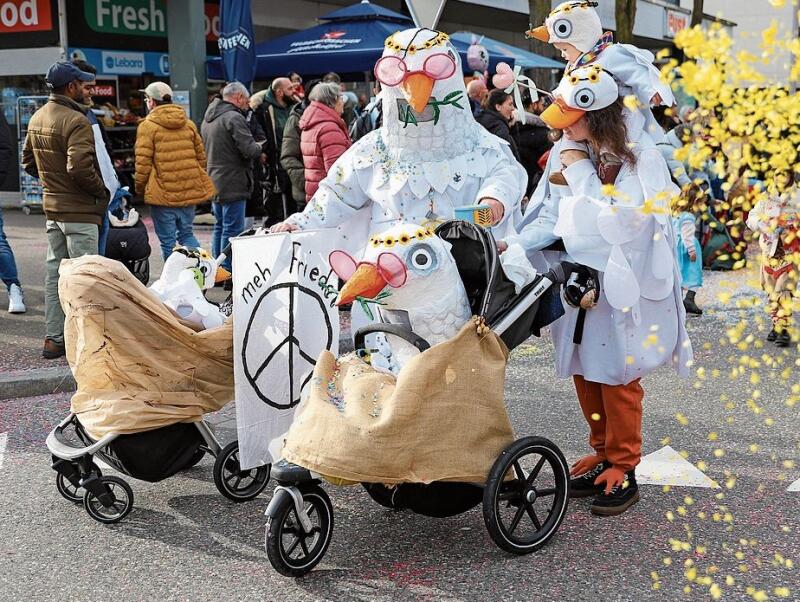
column 60, row 151
column 170, row 168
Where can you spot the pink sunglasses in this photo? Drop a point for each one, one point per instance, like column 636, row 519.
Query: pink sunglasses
column 392, row 70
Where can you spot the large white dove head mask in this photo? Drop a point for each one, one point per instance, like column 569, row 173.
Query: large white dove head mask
column 583, row 89
column 573, row 22
column 404, row 267
column 421, row 78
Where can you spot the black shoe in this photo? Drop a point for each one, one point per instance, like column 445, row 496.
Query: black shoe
column 783, row 339
column 690, row 306
column 619, row 500
column 583, row 486
column 773, row 334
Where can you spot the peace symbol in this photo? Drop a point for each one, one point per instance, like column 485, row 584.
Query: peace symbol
column 290, row 359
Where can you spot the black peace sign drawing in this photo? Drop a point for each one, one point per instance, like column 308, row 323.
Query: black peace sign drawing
column 292, row 360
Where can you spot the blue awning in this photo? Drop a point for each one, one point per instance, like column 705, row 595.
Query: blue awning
column 344, row 44
column 523, row 58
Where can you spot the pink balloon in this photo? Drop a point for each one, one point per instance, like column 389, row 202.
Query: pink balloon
column 504, row 76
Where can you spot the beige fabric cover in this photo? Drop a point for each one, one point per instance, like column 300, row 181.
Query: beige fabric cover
column 137, row 366
column 443, row 419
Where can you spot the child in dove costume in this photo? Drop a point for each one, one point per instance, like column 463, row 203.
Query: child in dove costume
column 617, row 223
column 428, row 157
column 574, row 28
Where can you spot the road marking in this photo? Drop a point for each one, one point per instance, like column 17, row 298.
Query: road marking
column 668, row 467
column 3, row 442
column 793, row 487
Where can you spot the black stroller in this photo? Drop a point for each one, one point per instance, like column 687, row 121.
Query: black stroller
column 128, row 242
column 525, row 495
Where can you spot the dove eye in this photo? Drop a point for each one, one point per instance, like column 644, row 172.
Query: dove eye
column 422, row 259
column 562, row 28
column 584, row 98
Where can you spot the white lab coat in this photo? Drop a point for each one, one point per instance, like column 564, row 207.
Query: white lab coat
column 639, row 321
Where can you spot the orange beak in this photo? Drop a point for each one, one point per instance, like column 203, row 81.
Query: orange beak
column 365, row 282
column 559, row 116
column 417, row 89
column 538, row 33
column 222, row 275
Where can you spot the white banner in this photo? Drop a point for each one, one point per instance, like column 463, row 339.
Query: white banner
column 283, row 317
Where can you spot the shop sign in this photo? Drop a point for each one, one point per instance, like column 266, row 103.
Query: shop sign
column 675, row 22
column 25, row 15
column 123, row 63
column 104, row 89
column 140, row 17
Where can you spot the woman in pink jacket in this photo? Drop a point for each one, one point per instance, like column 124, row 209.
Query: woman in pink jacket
column 323, row 136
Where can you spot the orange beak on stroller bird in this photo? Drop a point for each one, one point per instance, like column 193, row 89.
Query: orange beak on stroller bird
column 538, row 33
column 365, row 282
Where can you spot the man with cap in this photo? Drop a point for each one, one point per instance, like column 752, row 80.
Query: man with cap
column 170, row 168
column 60, row 151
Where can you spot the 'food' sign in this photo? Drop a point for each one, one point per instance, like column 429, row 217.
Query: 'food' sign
column 25, row 15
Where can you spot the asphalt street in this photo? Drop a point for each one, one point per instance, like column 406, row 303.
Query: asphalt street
column 736, row 419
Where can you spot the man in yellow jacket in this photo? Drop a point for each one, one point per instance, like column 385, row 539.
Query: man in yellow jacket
column 170, row 168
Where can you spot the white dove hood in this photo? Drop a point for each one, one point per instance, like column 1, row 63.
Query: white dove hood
column 639, row 321
column 416, row 172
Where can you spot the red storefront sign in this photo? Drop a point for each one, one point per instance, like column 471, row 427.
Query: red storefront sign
column 19, row 16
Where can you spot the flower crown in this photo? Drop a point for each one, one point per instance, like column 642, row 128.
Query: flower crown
column 440, row 39
column 569, row 7
column 402, row 239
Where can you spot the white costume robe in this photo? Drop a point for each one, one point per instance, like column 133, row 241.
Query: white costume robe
column 415, row 173
column 639, row 321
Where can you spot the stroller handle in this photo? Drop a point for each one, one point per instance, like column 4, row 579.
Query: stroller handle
column 393, row 329
column 560, row 272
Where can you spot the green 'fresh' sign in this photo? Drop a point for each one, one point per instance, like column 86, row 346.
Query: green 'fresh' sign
column 127, row 17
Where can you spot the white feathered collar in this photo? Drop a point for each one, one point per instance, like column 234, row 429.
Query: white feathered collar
column 393, row 168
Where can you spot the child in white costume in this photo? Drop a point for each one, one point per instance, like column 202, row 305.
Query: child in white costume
column 428, row 157
column 574, row 28
column 638, row 323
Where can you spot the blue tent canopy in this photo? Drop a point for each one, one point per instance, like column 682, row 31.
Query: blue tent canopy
column 518, row 56
column 350, row 40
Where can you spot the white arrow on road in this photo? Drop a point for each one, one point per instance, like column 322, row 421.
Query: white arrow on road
column 794, row 486
column 3, row 442
column 668, row 467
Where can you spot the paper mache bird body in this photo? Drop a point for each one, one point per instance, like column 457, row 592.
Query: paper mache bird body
column 409, row 275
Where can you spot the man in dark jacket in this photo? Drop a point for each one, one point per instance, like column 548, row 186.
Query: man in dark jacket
column 279, row 101
column 230, row 150
column 60, row 150
column 291, row 154
column 8, row 266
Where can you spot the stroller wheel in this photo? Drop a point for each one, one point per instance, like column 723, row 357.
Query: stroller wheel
column 526, row 495
column 292, row 551
column 69, row 491
column 114, row 504
column 234, row 483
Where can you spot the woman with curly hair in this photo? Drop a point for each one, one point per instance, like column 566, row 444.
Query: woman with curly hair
column 625, row 315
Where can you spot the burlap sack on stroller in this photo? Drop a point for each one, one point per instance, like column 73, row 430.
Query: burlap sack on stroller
column 137, row 366
column 443, row 419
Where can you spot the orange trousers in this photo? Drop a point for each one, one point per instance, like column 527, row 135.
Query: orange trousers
column 614, row 414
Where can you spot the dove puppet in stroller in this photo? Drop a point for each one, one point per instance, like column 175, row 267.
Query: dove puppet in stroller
column 148, row 363
column 436, row 439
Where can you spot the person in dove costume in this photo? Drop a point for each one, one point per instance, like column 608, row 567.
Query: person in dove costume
column 574, row 28
column 612, row 216
column 428, row 157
